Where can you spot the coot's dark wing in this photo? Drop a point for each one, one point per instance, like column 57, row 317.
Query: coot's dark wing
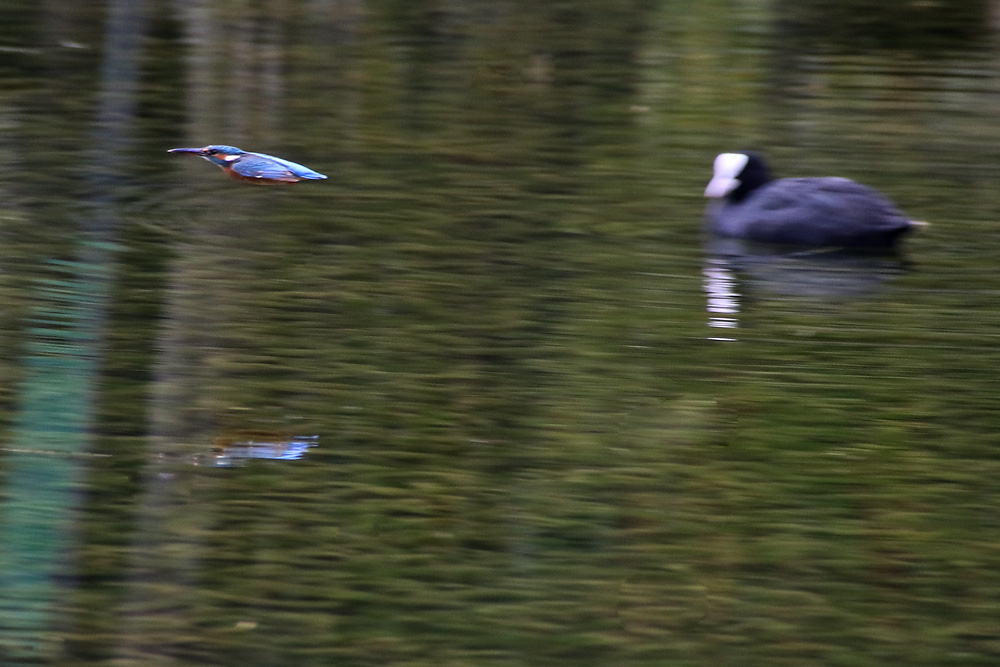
column 813, row 211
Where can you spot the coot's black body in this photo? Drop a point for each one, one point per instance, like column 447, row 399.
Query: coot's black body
column 800, row 211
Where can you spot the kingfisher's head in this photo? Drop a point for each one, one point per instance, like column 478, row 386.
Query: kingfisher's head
column 217, row 153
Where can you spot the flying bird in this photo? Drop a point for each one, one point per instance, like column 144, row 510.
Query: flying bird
column 256, row 168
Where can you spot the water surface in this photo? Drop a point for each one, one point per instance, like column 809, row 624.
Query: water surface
column 485, row 397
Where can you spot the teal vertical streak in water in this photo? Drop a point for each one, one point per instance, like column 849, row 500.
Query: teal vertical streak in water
column 41, row 467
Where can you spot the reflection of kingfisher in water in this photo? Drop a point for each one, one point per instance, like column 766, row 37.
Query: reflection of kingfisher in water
column 236, row 448
column 256, row 168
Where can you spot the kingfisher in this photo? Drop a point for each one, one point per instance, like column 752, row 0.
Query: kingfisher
column 256, row 168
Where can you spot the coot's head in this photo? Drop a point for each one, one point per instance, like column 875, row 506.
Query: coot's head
column 736, row 175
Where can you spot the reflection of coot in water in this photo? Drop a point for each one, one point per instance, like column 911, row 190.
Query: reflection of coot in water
column 801, row 211
column 740, row 273
column 815, row 273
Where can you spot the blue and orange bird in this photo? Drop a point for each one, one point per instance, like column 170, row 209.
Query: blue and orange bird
column 256, row 168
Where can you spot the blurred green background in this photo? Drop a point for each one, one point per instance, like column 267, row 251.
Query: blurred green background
column 552, row 429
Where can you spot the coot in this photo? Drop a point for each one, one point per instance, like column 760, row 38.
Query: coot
column 801, row 211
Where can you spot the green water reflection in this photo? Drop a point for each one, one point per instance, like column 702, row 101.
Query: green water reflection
column 496, row 320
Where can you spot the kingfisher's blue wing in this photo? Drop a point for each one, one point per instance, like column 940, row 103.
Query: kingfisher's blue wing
column 257, row 165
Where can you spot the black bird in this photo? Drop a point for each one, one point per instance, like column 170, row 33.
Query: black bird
column 801, row 211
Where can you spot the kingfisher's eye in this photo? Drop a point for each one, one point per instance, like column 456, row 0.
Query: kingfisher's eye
column 211, row 151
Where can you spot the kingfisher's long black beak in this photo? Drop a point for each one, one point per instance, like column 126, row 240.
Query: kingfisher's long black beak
column 185, row 150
